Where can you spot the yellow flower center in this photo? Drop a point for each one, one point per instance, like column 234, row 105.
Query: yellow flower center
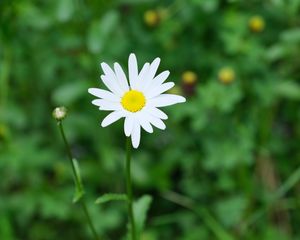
column 133, row 101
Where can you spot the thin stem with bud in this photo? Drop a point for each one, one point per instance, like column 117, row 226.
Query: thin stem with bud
column 59, row 115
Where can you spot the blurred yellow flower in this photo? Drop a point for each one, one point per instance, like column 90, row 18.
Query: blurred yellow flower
column 226, row 75
column 189, row 77
column 3, row 131
column 151, row 18
column 256, row 24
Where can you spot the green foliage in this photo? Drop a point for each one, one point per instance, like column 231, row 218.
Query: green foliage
column 111, row 197
column 232, row 150
column 79, row 191
column 140, row 209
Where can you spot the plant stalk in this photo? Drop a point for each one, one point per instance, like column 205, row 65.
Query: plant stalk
column 77, row 181
column 129, row 189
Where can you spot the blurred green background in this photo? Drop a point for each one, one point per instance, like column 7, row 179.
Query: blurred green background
column 225, row 168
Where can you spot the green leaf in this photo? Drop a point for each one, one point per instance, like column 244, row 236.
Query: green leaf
column 65, row 10
column 291, row 36
column 208, row 6
column 229, row 210
column 276, row 52
column 100, row 31
column 288, row 89
column 135, row 1
column 79, row 191
column 78, row 195
column 218, row 230
column 140, row 209
column 70, row 92
column 6, row 229
column 219, row 96
column 77, row 171
column 111, row 197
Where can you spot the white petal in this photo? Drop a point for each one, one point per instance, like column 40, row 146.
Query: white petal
column 154, row 67
column 156, row 112
column 159, row 90
column 166, row 100
column 112, row 117
column 112, row 85
column 136, row 135
column 144, row 122
column 107, row 105
column 107, row 70
column 121, row 77
column 158, row 80
column 151, row 73
column 132, row 70
column 144, row 70
column 141, row 77
column 112, row 78
column 128, row 125
column 156, row 122
column 100, row 93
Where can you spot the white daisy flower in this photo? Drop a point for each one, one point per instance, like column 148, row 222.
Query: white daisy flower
column 137, row 100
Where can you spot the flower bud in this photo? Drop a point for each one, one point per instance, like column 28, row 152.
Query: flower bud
column 226, row 75
column 59, row 113
column 151, row 18
column 256, row 24
column 189, row 78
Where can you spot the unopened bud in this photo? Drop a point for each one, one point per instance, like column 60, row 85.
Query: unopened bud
column 189, row 78
column 151, row 18
column 59, row 113
column 256, row 24
column 226, row 75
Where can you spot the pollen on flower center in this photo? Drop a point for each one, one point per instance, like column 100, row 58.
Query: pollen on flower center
column 133, row 101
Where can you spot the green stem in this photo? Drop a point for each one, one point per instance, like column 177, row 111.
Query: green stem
column 77, row 180
column 61, row 128
column 86, row 212
column 129, row 189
